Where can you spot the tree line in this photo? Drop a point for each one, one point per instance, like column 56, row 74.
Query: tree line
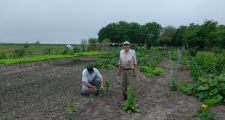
column 210, row 34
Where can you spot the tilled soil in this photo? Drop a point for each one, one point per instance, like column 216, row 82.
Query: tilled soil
column 40, row 90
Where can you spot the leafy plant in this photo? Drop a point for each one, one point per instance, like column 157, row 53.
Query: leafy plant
column 208, row 90
column 204, row 113
column 149, row 71
column 130, row 104
column 186, row 88
column 70, row 109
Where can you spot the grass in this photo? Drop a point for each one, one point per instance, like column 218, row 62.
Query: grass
column 33, row 58
column 11, row 61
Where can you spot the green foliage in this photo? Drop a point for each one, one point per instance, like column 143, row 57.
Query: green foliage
column 33, row 58
column 70, row 109
column 149, row 71
column 107, row 86
column 92, row 44
column 18, row 53
column 130, row 104
column 2, row 55
column 208, row 90
column 206, row 61
column 186, row 88
column 204, row 114
column 173, row 83
column 134, row 32
column 168, row 35
column 106, row 62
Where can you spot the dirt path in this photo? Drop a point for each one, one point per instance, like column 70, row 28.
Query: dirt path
column 41, row 93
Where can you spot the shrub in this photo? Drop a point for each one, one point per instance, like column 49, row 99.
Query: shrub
column 2, row 55
column 208, row 90
column 18, row 53
column 206, row 61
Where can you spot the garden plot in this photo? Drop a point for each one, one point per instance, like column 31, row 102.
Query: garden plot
column 45, row 92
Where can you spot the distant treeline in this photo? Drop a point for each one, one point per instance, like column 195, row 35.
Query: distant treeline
column 201, row 36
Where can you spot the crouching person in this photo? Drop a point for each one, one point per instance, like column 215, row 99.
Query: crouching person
column 92, row 81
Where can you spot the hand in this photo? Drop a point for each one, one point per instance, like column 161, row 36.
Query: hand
column 102, row 87
column 94, row 88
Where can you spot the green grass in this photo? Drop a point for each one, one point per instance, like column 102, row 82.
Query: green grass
column 91, row 53
column 33, row 58
column 11, row 61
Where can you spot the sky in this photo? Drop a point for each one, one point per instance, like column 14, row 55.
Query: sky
column 70, row 21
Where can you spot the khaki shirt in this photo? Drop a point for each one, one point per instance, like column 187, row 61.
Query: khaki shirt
column 127, row 59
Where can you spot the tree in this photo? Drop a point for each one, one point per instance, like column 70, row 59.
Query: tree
column 178, row 37
column 151, row 32
column 168, row 35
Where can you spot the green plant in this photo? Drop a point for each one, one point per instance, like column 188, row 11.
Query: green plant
column 130, row 104
column 70, row 109
column 186, row 88
column 208, row 90
column 173, row 83
column 204, row 113
column 2, row 55
column 107, row 86
column 149, row 71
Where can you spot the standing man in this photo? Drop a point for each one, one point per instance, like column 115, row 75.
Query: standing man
column 127, row 65
column 91, row 79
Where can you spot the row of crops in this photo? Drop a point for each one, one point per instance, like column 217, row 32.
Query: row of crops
column 208, row 75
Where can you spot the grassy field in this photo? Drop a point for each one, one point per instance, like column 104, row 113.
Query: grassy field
column 57, row 52
column 33, row 58
column 37, row 49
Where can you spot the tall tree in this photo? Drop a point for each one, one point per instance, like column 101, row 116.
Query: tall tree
column 151, row 31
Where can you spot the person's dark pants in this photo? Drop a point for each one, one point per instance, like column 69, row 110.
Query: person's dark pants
column 86, row 91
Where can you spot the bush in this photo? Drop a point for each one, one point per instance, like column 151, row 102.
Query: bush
column 18, row 53
column 2, row 55
column 208, row 90
column 206, row 61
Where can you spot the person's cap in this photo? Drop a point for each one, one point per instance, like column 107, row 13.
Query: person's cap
column 126, row 42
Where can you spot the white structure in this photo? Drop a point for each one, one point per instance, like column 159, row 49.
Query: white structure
column 69, row 47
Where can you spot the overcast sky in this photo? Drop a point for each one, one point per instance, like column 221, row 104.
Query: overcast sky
column 70, row 21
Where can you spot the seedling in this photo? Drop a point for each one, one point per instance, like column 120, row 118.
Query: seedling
column 130, row 104
column 173, row 83
column 204, row 113
column 70, row 109
column 107, row 86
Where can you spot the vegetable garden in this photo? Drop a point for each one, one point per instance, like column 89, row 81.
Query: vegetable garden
column 171, row 84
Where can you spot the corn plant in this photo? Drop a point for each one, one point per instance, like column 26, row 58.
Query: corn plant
column 70, row 109
column 130, row 104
